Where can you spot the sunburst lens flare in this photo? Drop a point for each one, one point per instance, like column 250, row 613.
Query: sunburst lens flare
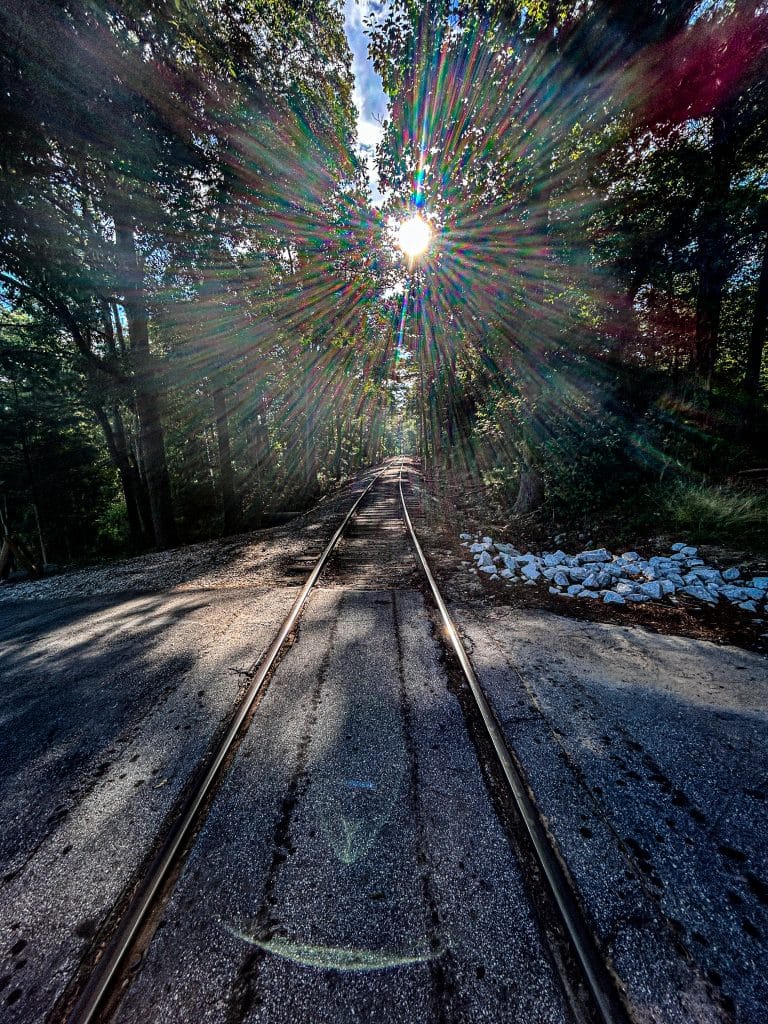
column 413, row 236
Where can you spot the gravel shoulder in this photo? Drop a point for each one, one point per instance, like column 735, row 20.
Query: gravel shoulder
column 716, row 606
column 277, row 556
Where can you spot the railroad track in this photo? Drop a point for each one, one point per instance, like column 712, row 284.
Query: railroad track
column 368, row 551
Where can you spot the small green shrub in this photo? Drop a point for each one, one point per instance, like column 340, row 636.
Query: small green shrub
column 589, row 465
column 111, row 537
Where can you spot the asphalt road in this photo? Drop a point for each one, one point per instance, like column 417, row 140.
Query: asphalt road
column 353, row 865
column 113, row 683
column 648, row 755
column 106, row 704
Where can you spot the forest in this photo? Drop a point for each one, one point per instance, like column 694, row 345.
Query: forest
column 206, row 323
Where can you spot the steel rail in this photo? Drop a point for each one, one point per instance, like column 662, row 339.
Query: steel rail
column 607, row 1001
column 91, row 1000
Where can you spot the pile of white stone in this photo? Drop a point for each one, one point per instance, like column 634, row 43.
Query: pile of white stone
column 619, row 579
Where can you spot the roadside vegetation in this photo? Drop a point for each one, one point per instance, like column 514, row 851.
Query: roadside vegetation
column 204, row 321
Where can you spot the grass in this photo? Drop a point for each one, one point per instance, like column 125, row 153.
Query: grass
column 713, row 514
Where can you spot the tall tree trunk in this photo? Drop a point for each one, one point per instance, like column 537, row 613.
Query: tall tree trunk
column 40, row 537
column 147, row 399
column 375, row 437
column 423, row 409
column 258, row 454
column 421, row 343
column 119, row 457
column 530, row 492
column 136, row 503
column 33, row 488
column 31, row 478
column 337, row 455
column 136, row 459
column 759, row 324
column 311, row 485
column 109, row 331
column 713, row 256
column 226, row 470
column 138, row 489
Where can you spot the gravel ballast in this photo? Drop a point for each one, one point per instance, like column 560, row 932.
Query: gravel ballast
column 619, row 579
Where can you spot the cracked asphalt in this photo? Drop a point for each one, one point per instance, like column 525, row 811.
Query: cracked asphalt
column 352, row 866
column 647, row 756
column 113, row 683
column 108, row 704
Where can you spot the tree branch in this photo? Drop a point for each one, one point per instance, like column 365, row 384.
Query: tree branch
column 64, row 314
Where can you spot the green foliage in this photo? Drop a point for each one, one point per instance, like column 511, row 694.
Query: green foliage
column 605, row 228
column 588, row 465
column 111, row 537
column 191, row 275
column 705, row 513
column 182, row 223
column 55, row 483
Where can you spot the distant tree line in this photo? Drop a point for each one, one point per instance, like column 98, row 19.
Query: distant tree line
column 201, row 320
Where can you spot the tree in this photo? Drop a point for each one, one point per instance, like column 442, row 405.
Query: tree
column 760, row 317
column 155, row 158
column 591, row 171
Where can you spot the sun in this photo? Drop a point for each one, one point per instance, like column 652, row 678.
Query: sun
column 413, row 236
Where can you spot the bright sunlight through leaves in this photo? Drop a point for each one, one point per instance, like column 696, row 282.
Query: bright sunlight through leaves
column 413, row 236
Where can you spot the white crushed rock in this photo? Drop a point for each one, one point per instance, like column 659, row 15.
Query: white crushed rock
column 624, row 578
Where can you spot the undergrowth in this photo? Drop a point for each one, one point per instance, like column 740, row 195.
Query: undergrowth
column 711, row 513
